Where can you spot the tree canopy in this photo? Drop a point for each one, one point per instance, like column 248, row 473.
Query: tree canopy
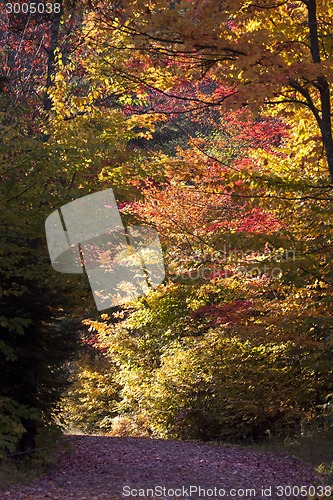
column 211, row 121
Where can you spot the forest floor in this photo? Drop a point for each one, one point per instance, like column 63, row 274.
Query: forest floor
column 101, row 467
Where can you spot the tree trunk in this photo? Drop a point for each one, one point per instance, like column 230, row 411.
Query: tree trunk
column 325, row 122
column 54, row 36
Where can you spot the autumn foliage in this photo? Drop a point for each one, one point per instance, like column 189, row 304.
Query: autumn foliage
column 212, row 123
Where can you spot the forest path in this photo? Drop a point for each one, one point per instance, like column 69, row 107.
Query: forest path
column 101, row 467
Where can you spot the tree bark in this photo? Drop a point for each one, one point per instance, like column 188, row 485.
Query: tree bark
column 54, row 37
column 322, row 85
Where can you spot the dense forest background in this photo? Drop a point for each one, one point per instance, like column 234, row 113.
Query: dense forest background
column 211, row 122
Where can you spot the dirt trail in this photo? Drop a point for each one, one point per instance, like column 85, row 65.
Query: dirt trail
column 117, row 468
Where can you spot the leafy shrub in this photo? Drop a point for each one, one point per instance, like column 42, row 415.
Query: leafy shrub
column 90, row 402
column 224, row 388
column 11, row 428
column 130, row 425
column 235, row 363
